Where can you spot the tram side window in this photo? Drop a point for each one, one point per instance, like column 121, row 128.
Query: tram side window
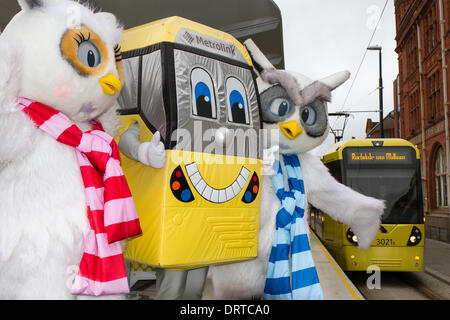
column 152, row 101
column 335, row 170
column 128, row 99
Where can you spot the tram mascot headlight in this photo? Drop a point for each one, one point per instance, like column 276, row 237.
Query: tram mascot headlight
column 415, row 237
column 351, row 237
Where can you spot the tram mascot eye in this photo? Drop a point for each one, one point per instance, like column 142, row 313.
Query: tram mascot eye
column 65, row 202
column 203, row 95
column 198, row 90
column 294, row 107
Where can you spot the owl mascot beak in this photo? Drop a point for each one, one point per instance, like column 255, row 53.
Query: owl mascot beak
column 291, row 129
column 110, row 84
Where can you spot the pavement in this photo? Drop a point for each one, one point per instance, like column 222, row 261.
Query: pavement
column 437, row 259
column 334, row 282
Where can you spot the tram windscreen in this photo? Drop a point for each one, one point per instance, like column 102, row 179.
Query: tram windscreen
column 389, row 173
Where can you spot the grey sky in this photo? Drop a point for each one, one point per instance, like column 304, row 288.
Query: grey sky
column 326, row 36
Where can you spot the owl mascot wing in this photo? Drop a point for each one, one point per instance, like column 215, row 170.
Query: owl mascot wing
column 294, row 108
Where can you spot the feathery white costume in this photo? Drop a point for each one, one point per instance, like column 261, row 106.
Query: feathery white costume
column 295, row 106
column 63, row 55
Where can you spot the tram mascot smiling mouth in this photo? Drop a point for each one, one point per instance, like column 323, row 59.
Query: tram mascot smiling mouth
column 296, row 107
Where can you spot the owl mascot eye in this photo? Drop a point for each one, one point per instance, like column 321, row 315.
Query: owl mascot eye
column 65, row 202
column 294, row 109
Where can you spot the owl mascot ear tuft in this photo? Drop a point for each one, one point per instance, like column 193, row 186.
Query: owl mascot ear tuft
column 106, row 16
column 335, row 80
column 30, row 4
column 260, row 61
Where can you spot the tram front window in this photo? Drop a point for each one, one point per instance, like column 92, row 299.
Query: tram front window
column 397, row 187
column 390, row 174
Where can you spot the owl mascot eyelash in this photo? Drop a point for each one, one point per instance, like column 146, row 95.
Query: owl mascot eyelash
column 294, row 108
column 66, row 205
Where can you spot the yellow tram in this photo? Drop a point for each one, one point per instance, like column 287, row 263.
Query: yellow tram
column 194, row 84
column 387, row 169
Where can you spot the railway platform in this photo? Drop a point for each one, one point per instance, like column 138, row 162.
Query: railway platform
column 335, row 284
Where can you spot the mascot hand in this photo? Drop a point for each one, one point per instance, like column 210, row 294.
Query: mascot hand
column 153, row 153
column 268, row 160
column 366, row 225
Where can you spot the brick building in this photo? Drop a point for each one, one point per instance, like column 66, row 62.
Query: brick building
column 421, row 100
column 373, row 128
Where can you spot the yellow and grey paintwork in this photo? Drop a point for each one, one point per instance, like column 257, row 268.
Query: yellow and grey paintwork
column 217, row 226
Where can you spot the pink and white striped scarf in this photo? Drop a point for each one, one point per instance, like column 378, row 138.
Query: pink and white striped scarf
column 110, row 208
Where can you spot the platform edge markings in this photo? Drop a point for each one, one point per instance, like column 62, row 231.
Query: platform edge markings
column 350, row 287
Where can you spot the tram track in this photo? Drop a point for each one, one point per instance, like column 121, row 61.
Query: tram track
column 401, row 286
column 412, row 280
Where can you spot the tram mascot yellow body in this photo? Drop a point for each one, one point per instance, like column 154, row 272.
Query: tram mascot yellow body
column 294, row 108
column 65, row 205
column 193, row 84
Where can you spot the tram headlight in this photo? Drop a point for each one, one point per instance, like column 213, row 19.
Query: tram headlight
column 351, row 237
column 414, row 237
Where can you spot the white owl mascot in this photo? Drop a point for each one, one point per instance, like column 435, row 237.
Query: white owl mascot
column 294, row 108
column 64, row 202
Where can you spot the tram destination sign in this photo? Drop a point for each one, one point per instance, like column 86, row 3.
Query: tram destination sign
column 377, row 155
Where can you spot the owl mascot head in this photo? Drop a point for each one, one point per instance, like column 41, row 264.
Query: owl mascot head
column 65, row 202
column 67, row 56
column 295, row 114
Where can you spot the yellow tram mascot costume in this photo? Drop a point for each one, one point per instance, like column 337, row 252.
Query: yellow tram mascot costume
column 65, row 204
column 194, row 85
column 294, row 109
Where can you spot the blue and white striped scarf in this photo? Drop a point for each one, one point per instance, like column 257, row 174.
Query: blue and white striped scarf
column 290, row 243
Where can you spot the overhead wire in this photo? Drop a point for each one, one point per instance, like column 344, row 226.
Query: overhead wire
column 364, row 55
column 362, row 61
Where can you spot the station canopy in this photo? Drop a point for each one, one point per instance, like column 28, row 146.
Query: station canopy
column 256, row 19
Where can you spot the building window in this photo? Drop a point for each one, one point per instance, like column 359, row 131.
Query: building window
column 414, row 112
column 442, row 234
column 411, row 53
column 434, row 96
column 431, row 28
column 440, row 178
column 434, row 233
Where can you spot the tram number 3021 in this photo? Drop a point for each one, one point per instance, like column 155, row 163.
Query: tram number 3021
column 385, row 242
